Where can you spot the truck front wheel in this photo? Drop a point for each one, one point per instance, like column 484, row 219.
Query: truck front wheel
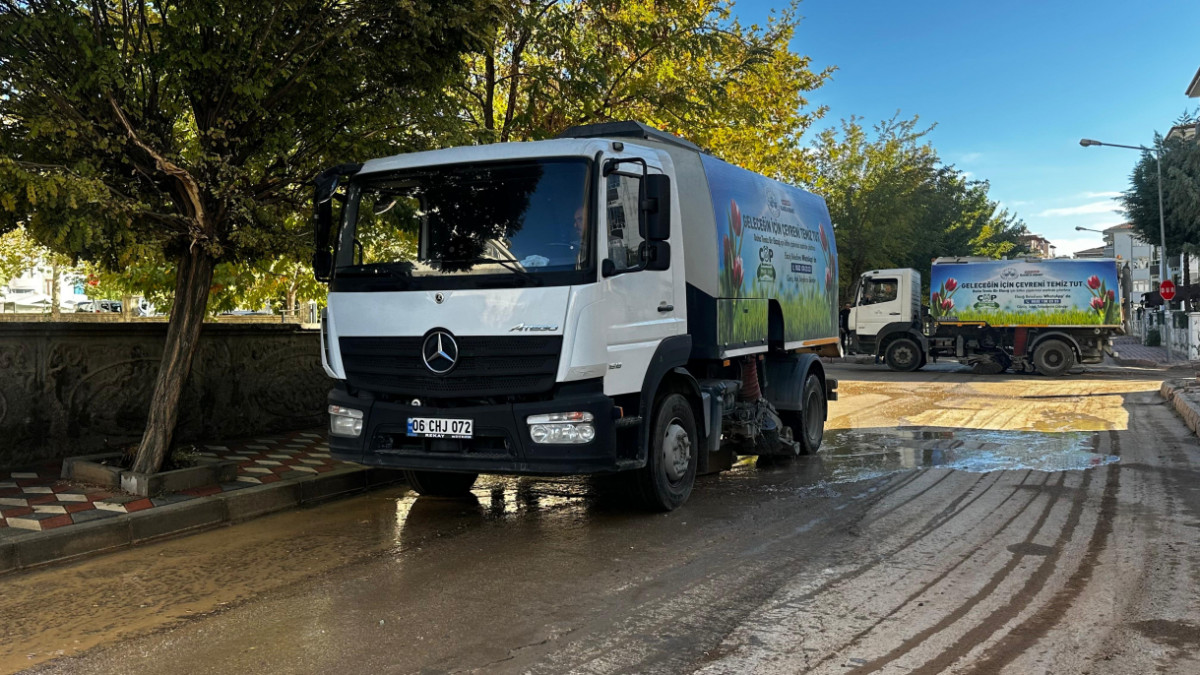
column 666, row 481
column 808, row 423
column 440, row 483
column 903, row 355
column 1053, row 358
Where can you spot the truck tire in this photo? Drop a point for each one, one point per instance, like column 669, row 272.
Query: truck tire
column 1053, row 358
column 903, row 355
column 808, row 423
column 440, row 483
column 666, row 481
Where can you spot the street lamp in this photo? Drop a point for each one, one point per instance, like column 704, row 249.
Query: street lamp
column 1162, row 230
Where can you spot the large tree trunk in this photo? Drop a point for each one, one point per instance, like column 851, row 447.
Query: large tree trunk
column 192, row 281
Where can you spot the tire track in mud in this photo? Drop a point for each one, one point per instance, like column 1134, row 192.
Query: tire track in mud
column 1037, row 579
column 1029, row 631
column 938, row 579
column 689, row 608
column 953, row 509
column 963, row 609
column 931, row 526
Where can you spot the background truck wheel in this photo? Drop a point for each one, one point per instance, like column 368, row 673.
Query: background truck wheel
column 439, row 483
column 808, row 425
column 903, row 355
column 666, row 481
column 1053, row 358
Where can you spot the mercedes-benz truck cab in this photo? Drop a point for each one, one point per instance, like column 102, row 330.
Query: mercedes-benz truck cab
column 566, row 307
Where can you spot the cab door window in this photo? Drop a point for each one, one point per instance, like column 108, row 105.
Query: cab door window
column 622, row 195
column 875, row 291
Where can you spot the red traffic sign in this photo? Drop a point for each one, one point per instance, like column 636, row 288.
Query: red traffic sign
column 1167, row 290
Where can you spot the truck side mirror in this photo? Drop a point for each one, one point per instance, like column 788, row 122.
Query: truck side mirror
column 322, row 226
column 656, row 255
column 656, row 207
column 322, row 264
column 324, row 190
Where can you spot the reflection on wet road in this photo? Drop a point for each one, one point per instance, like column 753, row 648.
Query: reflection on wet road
column 850, row 455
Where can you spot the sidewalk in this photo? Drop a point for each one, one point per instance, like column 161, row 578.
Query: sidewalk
column 1131, row 352
column 44, row 518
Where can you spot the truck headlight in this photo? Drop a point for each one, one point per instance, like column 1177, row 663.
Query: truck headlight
column 345, row 421
column 562, row 428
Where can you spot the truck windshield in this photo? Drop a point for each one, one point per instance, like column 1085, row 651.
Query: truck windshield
column 447, row 226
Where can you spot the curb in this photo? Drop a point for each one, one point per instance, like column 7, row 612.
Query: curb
column 1173, row 391
column 131, row 529
column 1138, row 363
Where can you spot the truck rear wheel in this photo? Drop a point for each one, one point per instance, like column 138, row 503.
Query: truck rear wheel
column 440, row 483
column 1053, row 358
column 666, row 481
column 903, row 355
column 808, row 423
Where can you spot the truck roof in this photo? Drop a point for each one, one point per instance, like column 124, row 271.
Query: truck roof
column 582, row 147
column 629, row 129
column 958, row 260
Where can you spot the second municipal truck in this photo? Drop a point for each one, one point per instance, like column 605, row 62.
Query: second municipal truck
column 1030, row 315
column 614, row 300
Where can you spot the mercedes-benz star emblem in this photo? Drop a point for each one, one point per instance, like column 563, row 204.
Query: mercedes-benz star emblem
column 440, row 352
column 439, row 298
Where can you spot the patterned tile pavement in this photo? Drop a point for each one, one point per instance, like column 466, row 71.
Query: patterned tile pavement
column 1130, row 347
column 35, row 498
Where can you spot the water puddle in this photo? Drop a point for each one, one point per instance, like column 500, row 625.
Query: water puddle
column 852, row 454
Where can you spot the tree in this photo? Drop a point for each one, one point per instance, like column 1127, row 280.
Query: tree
column 1180, row 160
column 894, row 205
column 870, row 185
column 191, row 128
column 686, row 66
column 18, row 254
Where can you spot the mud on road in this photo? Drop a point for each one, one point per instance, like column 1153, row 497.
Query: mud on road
column 952, row 523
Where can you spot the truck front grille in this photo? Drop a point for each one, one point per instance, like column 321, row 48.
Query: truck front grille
column 487, row 366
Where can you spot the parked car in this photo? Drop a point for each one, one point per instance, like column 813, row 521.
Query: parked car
column 99, row 306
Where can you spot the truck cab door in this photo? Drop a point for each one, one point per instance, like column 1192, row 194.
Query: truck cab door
column 643, row 306
column 879, row 302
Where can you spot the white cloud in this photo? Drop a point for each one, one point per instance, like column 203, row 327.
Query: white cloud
column 1068, row 246
column 971, row 157
column 1098, row 195
column 1081, row 210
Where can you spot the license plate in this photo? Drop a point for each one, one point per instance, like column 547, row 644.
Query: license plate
column 437, row 427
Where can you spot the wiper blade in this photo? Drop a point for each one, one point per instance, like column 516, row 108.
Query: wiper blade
column 373, row 270
column 512, row 266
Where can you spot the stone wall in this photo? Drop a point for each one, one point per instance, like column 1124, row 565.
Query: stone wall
column 68, row 388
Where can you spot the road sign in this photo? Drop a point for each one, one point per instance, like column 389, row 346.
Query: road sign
column 1167, row 290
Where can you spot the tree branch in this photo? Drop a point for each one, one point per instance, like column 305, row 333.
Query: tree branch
column 191, row 188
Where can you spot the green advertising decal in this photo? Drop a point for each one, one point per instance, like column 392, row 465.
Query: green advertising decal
column 1027, row 293
column 775, row 242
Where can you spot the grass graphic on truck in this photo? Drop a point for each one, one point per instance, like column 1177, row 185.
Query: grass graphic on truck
column 1027, row 293
column 775, row 243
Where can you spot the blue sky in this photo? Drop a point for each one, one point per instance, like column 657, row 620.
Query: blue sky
column 1013, row 86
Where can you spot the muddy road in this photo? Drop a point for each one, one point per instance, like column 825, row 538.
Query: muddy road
column 952, row 523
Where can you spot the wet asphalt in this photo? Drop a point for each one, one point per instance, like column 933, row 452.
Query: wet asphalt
column 951, row 523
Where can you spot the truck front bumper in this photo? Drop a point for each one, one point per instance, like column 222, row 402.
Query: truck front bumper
column 501, row 443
